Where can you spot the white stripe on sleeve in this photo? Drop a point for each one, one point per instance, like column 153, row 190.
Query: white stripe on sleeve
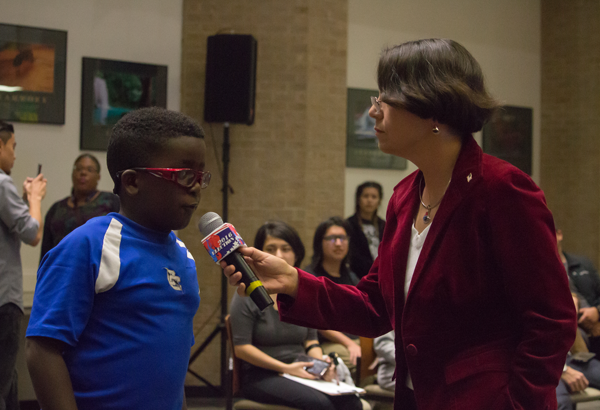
column 110, row 262
column 189, row 254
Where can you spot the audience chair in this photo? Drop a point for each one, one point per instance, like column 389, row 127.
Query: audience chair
column 589, row 394
column 376, row 396
column 366, row 371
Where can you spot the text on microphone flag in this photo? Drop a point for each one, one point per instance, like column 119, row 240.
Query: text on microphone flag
column 222, row 241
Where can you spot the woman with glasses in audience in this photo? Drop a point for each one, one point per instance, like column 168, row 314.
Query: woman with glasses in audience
column 270, row 347
column 468, row 274
column 330, row 260
column 84, row 203
column 366, row 227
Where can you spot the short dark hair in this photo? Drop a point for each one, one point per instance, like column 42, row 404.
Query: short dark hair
column 6, row 131
column 317, row 258
column 283, row 231
column 439, row 79
column 143, row 133
column 90, row 156
column 361, row 188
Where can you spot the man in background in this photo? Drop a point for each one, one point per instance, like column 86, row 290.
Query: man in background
column 584, row 280
column 18, row 222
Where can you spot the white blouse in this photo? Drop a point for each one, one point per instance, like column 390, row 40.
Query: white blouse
column 416, row 245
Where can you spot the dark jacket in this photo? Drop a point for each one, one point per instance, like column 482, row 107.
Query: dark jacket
column 584, row 277
column 360, row 254
column 488, row 319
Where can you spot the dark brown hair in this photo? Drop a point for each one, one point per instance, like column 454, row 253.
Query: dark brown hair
column 359, row 191
column 6, row 131
column 436, row 78
column 318, row 254
column 283, row 231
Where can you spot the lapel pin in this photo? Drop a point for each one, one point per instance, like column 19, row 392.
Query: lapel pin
column 469, row 177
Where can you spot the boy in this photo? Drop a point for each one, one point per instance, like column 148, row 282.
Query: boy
column 111, row 325
column 18, row 223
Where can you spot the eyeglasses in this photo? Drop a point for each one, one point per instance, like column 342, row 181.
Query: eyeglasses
column 185, row 177
column 376, row 102
column 334, row 238
column 91, row 170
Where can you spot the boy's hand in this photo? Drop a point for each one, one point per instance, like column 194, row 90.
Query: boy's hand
column 274, row 273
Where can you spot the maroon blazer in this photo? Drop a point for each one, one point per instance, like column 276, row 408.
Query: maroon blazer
column 488, row 319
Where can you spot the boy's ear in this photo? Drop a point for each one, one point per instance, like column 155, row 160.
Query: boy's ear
column 129, row 182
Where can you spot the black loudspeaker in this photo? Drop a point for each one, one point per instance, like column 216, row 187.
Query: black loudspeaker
column 230, row 79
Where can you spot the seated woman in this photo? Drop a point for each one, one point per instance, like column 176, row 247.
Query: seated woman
column 366, row 227
column 84, row 203
column 330, row 259
column 269, row 347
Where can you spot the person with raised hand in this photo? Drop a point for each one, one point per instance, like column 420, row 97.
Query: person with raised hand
column 20, row 221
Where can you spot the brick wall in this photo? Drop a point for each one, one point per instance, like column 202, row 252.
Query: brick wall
column 290, row 164
column 570, row 141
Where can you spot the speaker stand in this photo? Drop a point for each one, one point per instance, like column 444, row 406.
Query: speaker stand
column 220, row 328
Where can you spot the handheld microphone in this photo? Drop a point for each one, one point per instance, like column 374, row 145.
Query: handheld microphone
column 221, row 241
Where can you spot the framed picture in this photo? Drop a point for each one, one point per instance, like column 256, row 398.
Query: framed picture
column 508, row 136
column 110, row 89
column 362, row 149
column 32, row 74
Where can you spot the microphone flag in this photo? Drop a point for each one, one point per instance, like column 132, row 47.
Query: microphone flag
column 222, row 241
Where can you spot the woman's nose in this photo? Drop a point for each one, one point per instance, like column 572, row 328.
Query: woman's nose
column 372, row 112
column 279, row 254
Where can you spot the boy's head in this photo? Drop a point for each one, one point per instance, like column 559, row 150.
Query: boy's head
column 7, row 147
column 164, row 199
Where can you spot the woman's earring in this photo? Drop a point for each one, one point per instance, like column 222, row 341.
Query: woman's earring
column 436, row 130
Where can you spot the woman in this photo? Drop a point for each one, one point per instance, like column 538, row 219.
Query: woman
column 330, row 260
column 269, row 347
column 467, row 272
column 84, row 203
column 330, row 252
column 366, row 227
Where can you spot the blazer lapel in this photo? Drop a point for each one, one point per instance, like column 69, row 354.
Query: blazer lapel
column 466, row 174
column 404, row 209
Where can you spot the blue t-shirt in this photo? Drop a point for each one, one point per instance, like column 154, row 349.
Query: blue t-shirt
column 123, row 298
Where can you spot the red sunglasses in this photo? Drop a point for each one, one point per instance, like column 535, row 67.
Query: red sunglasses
column 185, row 177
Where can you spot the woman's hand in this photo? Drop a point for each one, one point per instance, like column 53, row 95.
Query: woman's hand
column 355, row 352
column 297, row 369
column 331, row 373
column 589, row 316
column 575, row 380
column 274, row 273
